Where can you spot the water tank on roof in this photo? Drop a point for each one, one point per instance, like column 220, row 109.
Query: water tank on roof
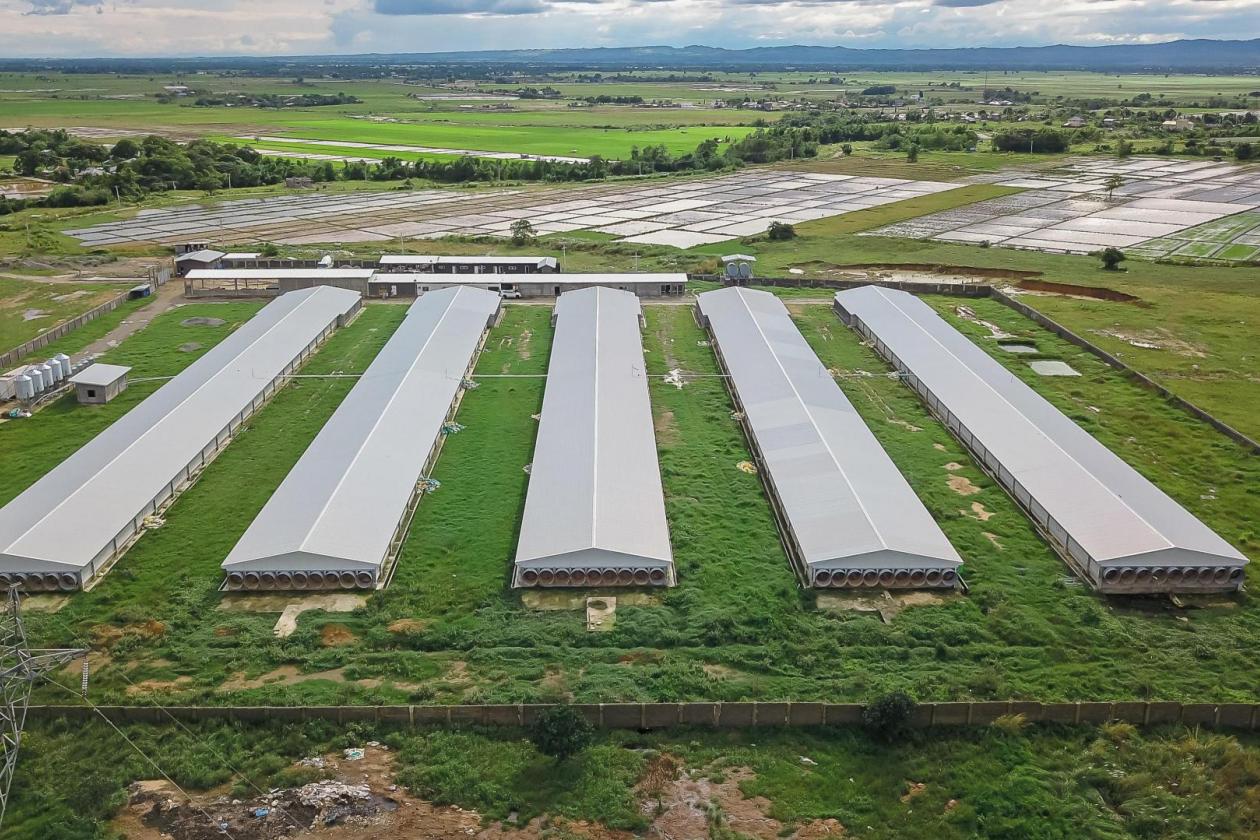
column 25, row 388
column 37, row 379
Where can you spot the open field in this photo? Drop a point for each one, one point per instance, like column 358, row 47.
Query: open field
column 1106, row 782
column 29, row 308
column 584, row 141
column 448, row 629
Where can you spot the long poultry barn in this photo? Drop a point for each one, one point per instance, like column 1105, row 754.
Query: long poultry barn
column 1111, row 524
column 594, row 509
column 341, row 514
column 847, row 516
column 66, row 529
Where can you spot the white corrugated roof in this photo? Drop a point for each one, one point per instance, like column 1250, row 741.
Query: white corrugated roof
column 69, row 517
column 595, row 497
column 340, row 505
column 845, row 501
column 280, row 273
column 203, row 255
column 425, row 259
column 1114, row 513
column 609, row 280
column 99, row 374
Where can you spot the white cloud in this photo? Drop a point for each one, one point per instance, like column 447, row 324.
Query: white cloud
column 57, row 28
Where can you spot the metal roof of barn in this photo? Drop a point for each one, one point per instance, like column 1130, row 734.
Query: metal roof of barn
column 595, row 499
column 280, row 273
column 845, row 502
column 66, row 519
column 1113, row 512
column 341, row 504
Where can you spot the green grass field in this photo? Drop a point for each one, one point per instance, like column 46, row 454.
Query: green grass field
column 525, row 139
column 448, row 628
column 1109, row 782
column 29, row 308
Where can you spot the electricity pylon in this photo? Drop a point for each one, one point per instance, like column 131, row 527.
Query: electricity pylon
column 20, row 667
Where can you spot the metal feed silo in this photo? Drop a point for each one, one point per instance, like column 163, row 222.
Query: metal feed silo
column 24, row 387
column 62, row 363
column 50, row 375
column 37, row 378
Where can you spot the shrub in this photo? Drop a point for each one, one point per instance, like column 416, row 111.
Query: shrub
column 888, row 717
column 561, row 732
column 780, row 232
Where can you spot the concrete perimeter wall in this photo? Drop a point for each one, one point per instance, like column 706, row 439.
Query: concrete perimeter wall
column 1244, row 716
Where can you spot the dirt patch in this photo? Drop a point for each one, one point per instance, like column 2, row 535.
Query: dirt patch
column 969, row 314
column 202, row 322
column 919, row 272
column 978, row 512
column 257, row 602
column 666, row 429
column 189, row 347
column 346, row 797
column 819, row 829
column 953, row 466
column 913, row 789
column 158, row 686
column 1091, row 292
column 719, row 672
column 993, row 538
column 909, row 427
column 336, row 635
column 1156, row 340
column 939, row 447
column 107, row 635
column 962, row 485
column 887, row 604
column 690, row 806
column 284, row 675
column 522, row 346
column 408, row 625
column 34, row 314
column 747, row 467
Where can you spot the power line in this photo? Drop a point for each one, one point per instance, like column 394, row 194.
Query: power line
column 222, row 829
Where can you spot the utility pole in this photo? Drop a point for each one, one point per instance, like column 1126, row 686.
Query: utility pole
column 20, row 667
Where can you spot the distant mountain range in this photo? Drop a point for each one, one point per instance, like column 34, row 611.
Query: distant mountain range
column 1183, row 56
column 1173, row 55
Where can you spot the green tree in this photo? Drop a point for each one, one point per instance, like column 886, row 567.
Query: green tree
column 912, row 153
column 125, row 149
column 523, row 232
column 846, row 149
column 1111, row 258
column 1244, row 151
column 1113, row 183
column 561, row 732
column 1124, row 148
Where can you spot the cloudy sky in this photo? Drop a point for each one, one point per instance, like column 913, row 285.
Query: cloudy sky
column 56, row 28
